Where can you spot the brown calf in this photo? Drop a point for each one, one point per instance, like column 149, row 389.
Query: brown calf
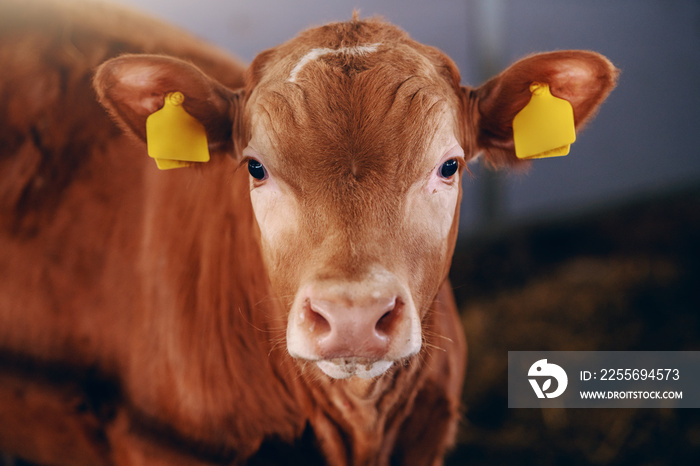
column 295, row 312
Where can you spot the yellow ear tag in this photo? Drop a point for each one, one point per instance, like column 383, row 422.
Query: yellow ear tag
column 544, row 127
column 174, row 137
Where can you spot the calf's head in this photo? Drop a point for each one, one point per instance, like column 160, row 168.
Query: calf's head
column 355, row 138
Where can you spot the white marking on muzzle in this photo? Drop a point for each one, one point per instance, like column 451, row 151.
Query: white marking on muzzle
column 346, row 368
column 314, row 54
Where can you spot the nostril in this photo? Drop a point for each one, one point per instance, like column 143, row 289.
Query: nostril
column 388, row 320
column 314, row 321
column 384, row 318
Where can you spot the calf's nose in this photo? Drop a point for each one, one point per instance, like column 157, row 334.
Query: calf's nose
column 360, row 327
column 372, row 319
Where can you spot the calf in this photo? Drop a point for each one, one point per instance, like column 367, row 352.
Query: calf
column 285, row 302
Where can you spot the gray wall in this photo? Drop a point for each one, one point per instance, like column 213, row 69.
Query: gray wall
column 645, row 139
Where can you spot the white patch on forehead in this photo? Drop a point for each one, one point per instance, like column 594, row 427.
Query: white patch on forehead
column 314, row 54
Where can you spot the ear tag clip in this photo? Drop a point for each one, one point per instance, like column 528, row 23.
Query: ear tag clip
column 174, row 137
column 544, row 127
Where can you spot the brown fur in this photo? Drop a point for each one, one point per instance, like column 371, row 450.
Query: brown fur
column 139, row 323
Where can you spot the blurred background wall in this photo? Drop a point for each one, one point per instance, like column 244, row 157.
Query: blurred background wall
column 644, row 141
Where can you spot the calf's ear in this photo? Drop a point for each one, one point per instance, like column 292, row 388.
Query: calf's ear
column 132, row 87
column 583, row 78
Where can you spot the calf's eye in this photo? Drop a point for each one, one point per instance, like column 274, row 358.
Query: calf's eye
column 256, row 170
column 449, row 168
